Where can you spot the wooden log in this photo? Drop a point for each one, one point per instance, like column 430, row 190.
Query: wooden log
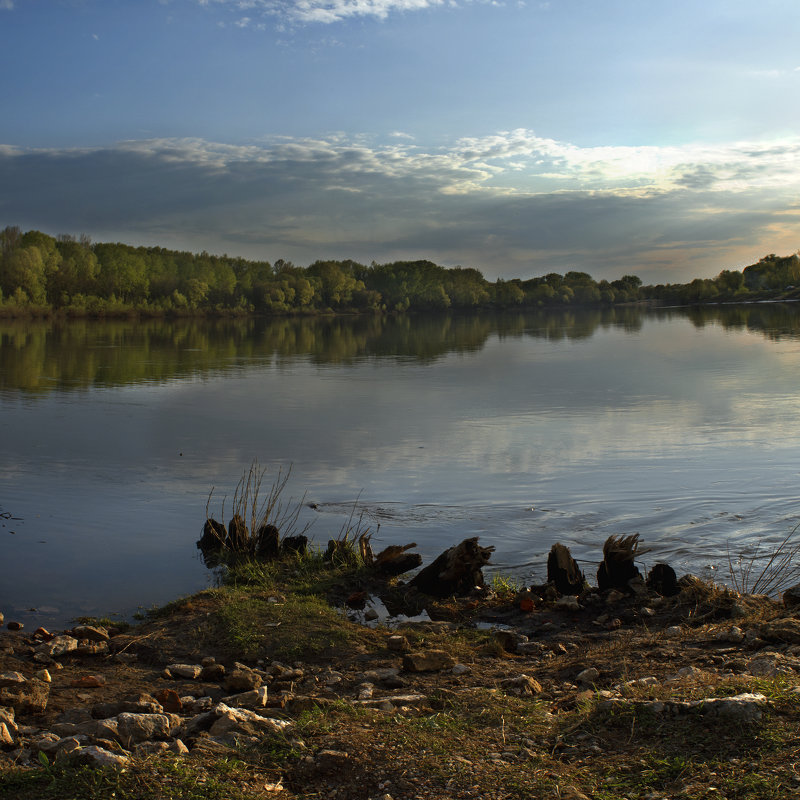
column 457, row 571
column 267, row 546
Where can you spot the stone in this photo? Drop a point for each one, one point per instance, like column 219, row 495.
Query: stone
column 169, row 700
column 242, row 680
column 28, row 698
column 58, row 646
column 6, row 739
column 569, row 602
column 15, row 626
column 460, row 669
column 587, row 676
column 91, row 632
column 178, row 747
column 428, row 661
column 742, row 708
column 141, row 727
column 521, row 685
column 213, row 672
column 782, row 630
column 255, row 698
column 791, row 597
column 332, row 760
column 768, row 666
column 397, row 643
column 99, row 757
column 86, row 647
column 189, row 672
column 241, row 719
column 43, row 675
column 88, row 682
column 11, row 679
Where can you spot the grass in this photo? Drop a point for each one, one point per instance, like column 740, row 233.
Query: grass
column 767, row 572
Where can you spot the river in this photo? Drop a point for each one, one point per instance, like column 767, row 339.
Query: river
column 523, row 429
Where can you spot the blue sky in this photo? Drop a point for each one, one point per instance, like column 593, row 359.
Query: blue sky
column 611, row 136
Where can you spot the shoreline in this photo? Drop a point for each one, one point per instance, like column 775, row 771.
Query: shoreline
column 574, row 695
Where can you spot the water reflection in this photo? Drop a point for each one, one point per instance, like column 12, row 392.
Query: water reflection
column 38, row 357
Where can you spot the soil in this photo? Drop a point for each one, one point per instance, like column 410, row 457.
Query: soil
column 473, row 732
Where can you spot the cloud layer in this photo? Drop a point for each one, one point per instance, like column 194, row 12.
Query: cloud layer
column 512, row 203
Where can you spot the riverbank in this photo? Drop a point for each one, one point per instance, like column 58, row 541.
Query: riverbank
column 265, row 689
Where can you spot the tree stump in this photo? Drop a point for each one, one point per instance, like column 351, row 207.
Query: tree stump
column 457, row 571
column 617, row 567
column 563, row 571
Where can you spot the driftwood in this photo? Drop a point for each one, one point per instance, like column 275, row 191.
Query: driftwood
column 663, row 580
column 617, row 567
column 457, row 571
column 563, row 571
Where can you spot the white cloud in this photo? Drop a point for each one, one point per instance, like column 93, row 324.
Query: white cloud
column 323, row 11
column 6, row 5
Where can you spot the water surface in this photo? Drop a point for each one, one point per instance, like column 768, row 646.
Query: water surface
column 523, row 429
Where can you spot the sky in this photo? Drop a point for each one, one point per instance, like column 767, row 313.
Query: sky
column 654, row 137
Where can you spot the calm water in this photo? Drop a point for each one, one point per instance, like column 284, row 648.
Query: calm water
column 523, row 429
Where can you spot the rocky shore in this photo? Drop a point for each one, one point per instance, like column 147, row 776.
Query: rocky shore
column 495, row 700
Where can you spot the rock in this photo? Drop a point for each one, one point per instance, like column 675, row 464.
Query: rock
column 27, row 698
column 791, row 597
column 332, row 760
column 460, row 669
column 169, row 700
column 86, row 647
column 428, row 661
column 370, row 615
column 241, row 719
column 588, row 676
column 732, row 634
column 99, row 757
column 15, row 626
column 189, row 672
column 213, row 672
column 768, row 666
column 614, row 597
column 569, row 602
column 43, row 675
column 91, row 632
column 522, row 685
column 782, row 630
column 255, row 698
column 6, row 738
column 242, row 680
column 58, row 646
column 141, row 727
column 178, row 747
column 11, row 679
column 88, row 682
column 742, row 708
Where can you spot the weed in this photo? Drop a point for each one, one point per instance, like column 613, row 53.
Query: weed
column 769, row 573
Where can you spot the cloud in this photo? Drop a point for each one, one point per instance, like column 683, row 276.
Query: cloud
column 512, row 204
column 6, row 5
column 321, row 11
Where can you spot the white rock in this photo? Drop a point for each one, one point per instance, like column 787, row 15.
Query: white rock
column 189, row 672
column 102, row 758
column 460, row 669
column 589, row 675
column 11, row 678
column 141, row 727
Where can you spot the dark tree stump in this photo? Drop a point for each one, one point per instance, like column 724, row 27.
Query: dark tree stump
column 238, row 539
column 294, row 545
column 663, row 580
column 267, row 543
column 457, row 571
column 394, row 560
column 213, row 538
column 617, row 567
column 563, row 571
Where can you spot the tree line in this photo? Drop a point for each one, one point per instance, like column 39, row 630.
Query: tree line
column 39, row 272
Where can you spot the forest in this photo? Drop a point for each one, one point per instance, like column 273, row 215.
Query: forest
column 42, row 274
